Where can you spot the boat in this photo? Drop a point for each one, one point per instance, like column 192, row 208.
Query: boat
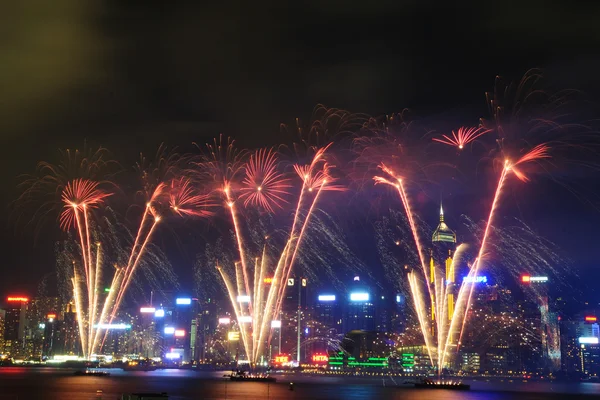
column 429, row 384
column 140, row 365
column 91, row 372
column 242, row 376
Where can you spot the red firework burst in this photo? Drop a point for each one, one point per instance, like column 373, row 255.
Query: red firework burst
column 221, row 162
column 264, row 185
column 77, row 195
column 317, row 175
column 538, row 153
column 184, row 200
column 462, row 137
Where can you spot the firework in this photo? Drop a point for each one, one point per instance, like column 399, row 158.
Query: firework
column 243, row 182
column 462, row 137
column 80, row 198
column 517, row 152
column 264, row 186
column 184, row 200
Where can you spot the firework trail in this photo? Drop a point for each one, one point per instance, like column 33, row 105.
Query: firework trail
column 393, row 151
column 525, row 142
column 79, row 186
column 79, row 197
column 162, row 191
column 324, row 237
column 519, row 250
column 462, row 136
column 250, row 180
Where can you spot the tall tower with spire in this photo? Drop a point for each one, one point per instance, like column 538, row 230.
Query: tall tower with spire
column 444, row 242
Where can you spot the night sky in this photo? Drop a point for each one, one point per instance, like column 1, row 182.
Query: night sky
column 130, row 76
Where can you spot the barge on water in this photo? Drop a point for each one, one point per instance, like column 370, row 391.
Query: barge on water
column 449, row 385
column 242, row 376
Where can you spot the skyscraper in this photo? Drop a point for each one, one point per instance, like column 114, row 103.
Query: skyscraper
column 328, row 313
column 444, row 245
column 360, row 308
column 15, row 322
column 294, row 307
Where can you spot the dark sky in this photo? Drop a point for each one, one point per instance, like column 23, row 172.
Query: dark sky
column 130, row 75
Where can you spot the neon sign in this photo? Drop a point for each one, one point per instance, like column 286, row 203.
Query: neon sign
column 359, row 296
column 282, row 359
column 528, row 278
column 113, row 326
column 16, row 298
column 243, row 299
column 475, row 279
column 327, row 297
column 275, row 324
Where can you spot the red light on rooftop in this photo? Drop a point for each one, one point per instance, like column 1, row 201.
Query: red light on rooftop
column 591, row 319
column 526, row 278
column 16, row 298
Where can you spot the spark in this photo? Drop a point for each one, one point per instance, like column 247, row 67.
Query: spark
column 462, row 136
column 184, row 200
column 263, row 185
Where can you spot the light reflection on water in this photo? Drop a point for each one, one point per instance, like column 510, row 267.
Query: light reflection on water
column 53, row 384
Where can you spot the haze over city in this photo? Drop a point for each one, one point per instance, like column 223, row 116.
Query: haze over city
column 316, row 189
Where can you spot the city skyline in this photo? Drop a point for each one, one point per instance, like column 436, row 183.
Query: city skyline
column 300, row 199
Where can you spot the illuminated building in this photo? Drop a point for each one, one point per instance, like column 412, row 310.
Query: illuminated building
column 328, row 313
column 205, row 331
column 590, row 359
column 2, row 316
column 184, row 319
column 499, row 360
column 414, row 358
column 341, row 361
column 384, row 310
column 293, row 315
column 398, row 315
column 360, row 308
column 68, row 333
column 15, row 322
column 444, row 245
column 50, row 335
column 37, row 315
column 580, row 350
column 542, row 318
column 470, row 363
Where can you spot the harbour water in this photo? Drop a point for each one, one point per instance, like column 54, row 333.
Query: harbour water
column 18, row 383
